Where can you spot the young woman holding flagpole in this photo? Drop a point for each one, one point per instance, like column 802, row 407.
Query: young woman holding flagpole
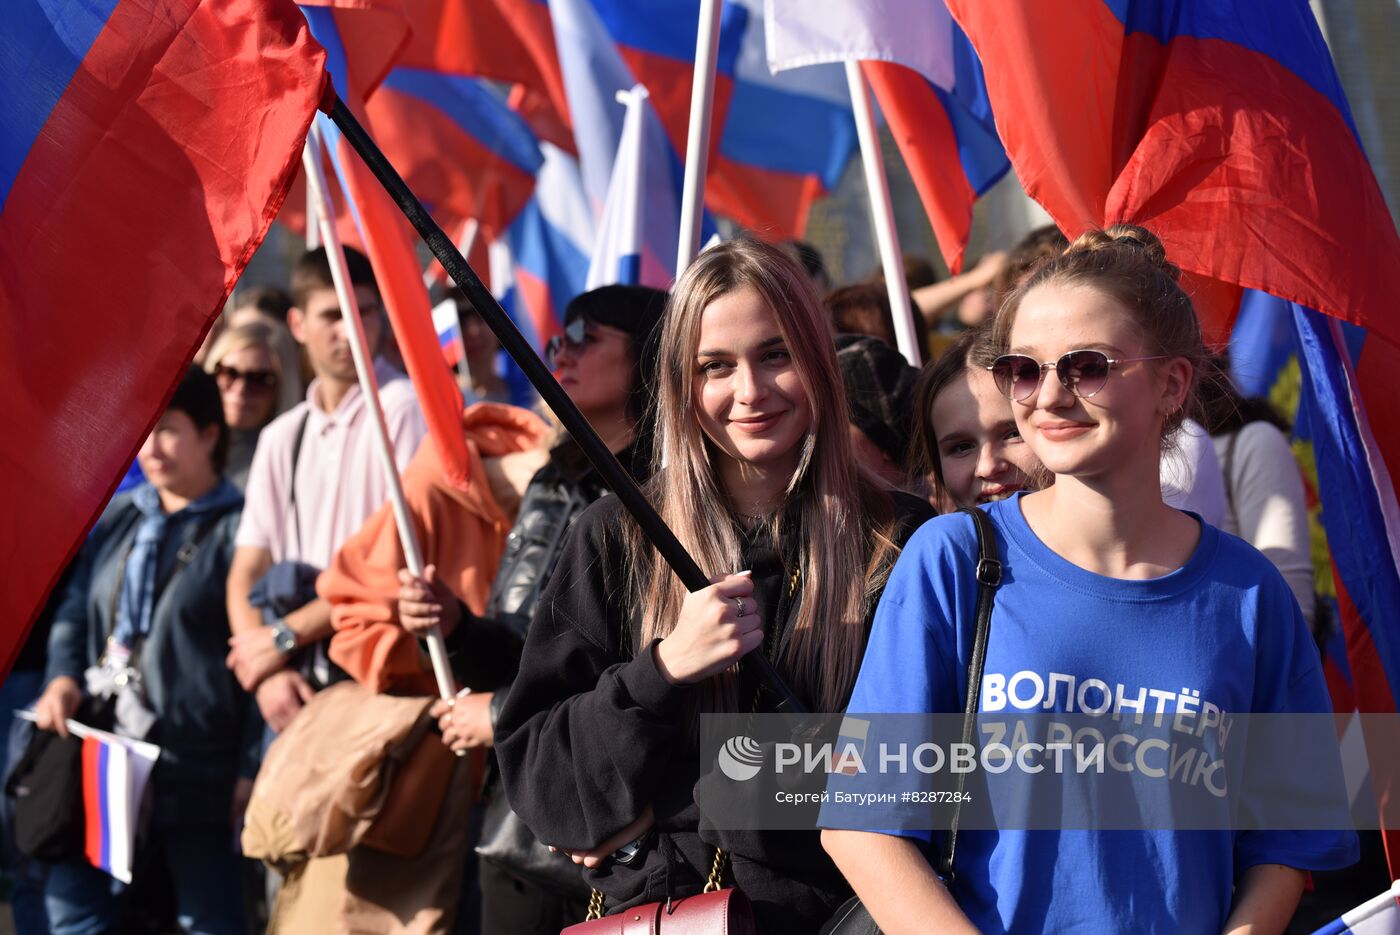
column 596, row 742
column 1105, row 584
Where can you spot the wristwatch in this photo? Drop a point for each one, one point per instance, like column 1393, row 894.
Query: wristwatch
column 284, row 638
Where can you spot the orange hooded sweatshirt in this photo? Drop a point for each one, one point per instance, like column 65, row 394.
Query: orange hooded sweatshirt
column 461, row 531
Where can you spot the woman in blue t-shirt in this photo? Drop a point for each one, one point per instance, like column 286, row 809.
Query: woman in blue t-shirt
column 1111, row 603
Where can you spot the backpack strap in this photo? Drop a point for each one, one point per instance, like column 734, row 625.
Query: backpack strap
column 988, row 579
column 183, row 557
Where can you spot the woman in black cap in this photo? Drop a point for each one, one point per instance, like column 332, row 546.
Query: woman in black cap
column 606, row 361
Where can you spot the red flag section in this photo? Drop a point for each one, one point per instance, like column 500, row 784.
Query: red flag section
column 505, row 40
column 371, row 37
column 144, row 154
column 389, row 242
column 457, row 144
column 355, row 60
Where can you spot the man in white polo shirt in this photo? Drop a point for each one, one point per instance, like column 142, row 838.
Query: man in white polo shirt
column 328, row 443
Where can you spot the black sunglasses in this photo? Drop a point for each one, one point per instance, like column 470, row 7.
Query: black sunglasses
column 573, row 336
column 255, row 379
column 1083, row 373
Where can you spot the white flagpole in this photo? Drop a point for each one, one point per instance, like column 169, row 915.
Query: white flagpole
column 620, row 231
column 369, row 386
column 885, row 234
column 465, row 243
column 697, row 145
column 313, row 227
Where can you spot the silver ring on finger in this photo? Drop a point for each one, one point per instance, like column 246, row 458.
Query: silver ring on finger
column 739, row 604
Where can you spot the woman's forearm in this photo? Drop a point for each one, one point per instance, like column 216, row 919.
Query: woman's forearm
column 895, row 883
column 1265, row 900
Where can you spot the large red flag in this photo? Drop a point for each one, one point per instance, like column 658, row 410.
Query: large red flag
column 146, row 147
column 1221, row 126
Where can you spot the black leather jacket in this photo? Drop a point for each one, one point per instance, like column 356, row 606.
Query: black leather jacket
column 557, row 494
column 555, row 497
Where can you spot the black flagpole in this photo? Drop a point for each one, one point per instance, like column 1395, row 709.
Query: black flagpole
column 603, row 460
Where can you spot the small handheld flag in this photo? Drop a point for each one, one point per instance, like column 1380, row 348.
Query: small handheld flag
column 115, row 775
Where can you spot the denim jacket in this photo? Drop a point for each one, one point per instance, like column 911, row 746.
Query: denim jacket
column 208, row 728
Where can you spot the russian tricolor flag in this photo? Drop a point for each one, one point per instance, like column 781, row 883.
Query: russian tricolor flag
column 449, row 330
column 617, row 255
column 777, row 142
column 145, row 148
column 929, row 83
column 510, row 41
column 1379, row 916
column 785, row 141
column 457, row 144
column 115, row 775
column 543, row 261
column 606, row 47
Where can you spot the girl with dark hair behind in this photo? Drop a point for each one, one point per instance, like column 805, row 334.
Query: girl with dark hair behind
column 966, row 443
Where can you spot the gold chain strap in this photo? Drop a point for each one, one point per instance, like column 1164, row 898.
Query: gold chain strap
column 712, row 885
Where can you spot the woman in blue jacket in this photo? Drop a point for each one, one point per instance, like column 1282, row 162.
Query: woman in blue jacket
column 143, row 624
column 1110, row 601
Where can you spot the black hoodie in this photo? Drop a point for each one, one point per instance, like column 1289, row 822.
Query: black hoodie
column 592, row 733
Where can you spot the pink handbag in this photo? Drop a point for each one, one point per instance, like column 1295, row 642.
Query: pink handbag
column 714, row 912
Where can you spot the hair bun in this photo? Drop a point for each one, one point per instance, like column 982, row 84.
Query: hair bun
column 1126, row 237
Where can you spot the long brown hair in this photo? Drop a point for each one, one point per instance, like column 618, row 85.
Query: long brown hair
column 843, row 517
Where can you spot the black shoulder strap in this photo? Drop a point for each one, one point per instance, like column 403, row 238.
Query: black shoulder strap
column 182, row 558
column 988, row 579
column 292, row 484
column 190, row 549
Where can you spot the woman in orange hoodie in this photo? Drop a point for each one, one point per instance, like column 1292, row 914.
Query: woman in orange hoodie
column 461, row 532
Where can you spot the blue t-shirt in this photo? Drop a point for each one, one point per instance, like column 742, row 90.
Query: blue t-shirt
column 1224, row 625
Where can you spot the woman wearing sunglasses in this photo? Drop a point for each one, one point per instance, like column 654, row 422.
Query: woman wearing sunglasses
column 597, row 741
column 259, row 375
column 1103, row 585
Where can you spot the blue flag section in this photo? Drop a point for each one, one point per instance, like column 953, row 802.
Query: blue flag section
column 1358, row 506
